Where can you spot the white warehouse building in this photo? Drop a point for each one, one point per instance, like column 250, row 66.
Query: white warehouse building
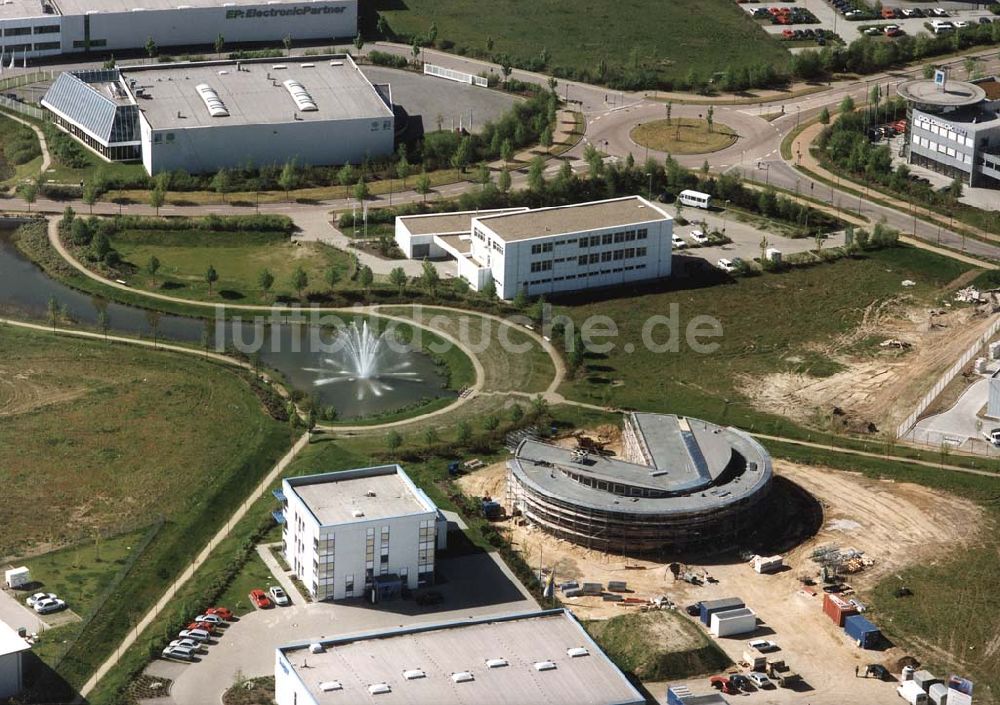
column 212, row 115
column 359, row 532
column 37, row 28
column 12, row 647
column 547, row 250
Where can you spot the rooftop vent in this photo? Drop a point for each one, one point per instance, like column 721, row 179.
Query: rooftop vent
column 223, row 73
column 307, row 66
column 336, row 63
column 414, row 674
column 357, row 513
column 278, row 67
column 370, row 493
column 379, row 688
column 462, row 677
column 316, row 647
column 544, row 666
column 496, row 662
column 330, row 686
column 216, row 108
column 306, row 104
column 577, row 652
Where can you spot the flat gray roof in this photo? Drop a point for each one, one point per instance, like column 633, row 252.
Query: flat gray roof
column 956, row 93
column 10, row 642
column 441, row 650
column 256, row 94
column 377, row 493
column 733, row 467
column 81, row 7
column 564, row 220
column 447, row 223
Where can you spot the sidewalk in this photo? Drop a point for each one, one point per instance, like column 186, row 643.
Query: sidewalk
column 283, row 577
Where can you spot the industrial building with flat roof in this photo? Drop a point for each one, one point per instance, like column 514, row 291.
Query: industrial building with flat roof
column 953, row 128
column 36, row 28
column 12, row 648
column 207, row 116
column 367, row 532
column 680, row 484
column 547, row 250
column 536, row 657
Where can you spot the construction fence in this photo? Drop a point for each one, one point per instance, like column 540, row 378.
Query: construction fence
column 974, row 351
column 457, row 76
column 17, row 80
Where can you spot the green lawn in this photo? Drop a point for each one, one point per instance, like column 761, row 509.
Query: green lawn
column 770, row 323
column 97, row 440
column 238, row 257
column 254, row 575
column 671, row 38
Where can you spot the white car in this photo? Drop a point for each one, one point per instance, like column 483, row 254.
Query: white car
column 854, row 13
column 278, row 596
column 763, row 645
column 678, row 242
column 938, row 12
column 873, row 31
column 908, row 12
column 760, row 680
column 196, row 634
column 960, row 24
column 699, row 237
column 185, row 643
column 53, row 604
column 181, row 653
column 210, row 619
column 726, row 265
column 38, row 597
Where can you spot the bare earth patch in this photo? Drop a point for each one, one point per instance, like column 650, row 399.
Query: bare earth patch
column 21, row 392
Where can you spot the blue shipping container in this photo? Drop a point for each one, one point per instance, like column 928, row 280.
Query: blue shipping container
column 710, row 607
column 862, row 631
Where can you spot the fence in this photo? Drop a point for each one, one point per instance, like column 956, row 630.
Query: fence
column 946, row 378
column 458, row 76
column 24, row 79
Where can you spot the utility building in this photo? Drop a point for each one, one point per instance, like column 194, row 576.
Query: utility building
column 368, row 532
column 12, row 647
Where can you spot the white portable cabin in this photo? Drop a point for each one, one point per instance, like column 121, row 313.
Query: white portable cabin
column 912, row 693
column 732, row 622
column 696, row 199
column 767, row 564
column 17, row 577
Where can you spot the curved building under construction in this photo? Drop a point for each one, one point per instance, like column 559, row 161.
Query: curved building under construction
column 681, row 484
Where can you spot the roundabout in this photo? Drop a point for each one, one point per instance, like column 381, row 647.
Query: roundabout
column 683, row 136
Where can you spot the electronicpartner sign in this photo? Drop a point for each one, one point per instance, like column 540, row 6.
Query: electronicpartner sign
column 252, row 14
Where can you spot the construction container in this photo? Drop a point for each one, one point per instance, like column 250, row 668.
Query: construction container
column 837, row 609
column 592, row 588
column 710, row 607
column 980, row 365
column 938, row 694
column 912, row 693
column 733, row 622
column 757, row 660
column 925, row 679
column 995, row 351
column 773, row 254
column 767, row 564
column 907, row 673
column 617, row 586
column 17, row 577
column 862, row 632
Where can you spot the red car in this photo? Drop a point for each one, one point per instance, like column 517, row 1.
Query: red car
column 221, row 613
column 260, row 599
column 210, row 628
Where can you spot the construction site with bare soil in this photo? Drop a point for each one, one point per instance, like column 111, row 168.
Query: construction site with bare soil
column 826, row 534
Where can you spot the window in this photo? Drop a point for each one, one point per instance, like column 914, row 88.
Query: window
column 619, row 237
column 539, row 249
column 349, row 584
column 629, row 252
column 629, row 235
column 606, row 239
column 16, row 31
column 582, row 261
column 583, row 243
column 640, row 252
column 606, row 256
column 47, row 46
column 593, row 258
column 47, row 29
column 642, row 233
column 619, row 254
column 595, row 240
column 541, row 266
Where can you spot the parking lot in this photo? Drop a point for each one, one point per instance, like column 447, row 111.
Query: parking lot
column 471, row 585
column 15, row 613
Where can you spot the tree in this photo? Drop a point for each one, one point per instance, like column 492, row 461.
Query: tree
column 311, row 420
column 503, row 182
column 89, row 195
column 265, row 280
column 398, row 278
column 393, row 441
column 300, row 280
column 29, row 192
column 431, row 436
column 103, row 321
column 847, row 105
column 505, row 68
column 520, row 299
column 491, row 422
column 415, row 50
column 536, row 174
column 710, row 118
column 153, row 321
column 546, row 137
column 153, row 266
column 764, row 244
column 483, row 176
column 506, row 151
column 222, row 182
column 670, row 109
column 463, row 154
column 464, row 434
column 429, row 278
column 156, row 199
column 403, row 168
column 928, row 72
column 382, row 27
column 423, row 186
column 359, row 43
column 553, row 83
column 955, row 189
column 288, row 179
column 489, row 43
column 219, row 44
column 151, row 48
column 211, row 276
column 53, row 311
column 69, row 215
column 820, row 239
column 332, row 276
column 361, row 190
column 824, row 116
column 489, row 290
column 365, row 277
column 346, row 177
column 516, row 413
column 100, row 246
column 287, row 41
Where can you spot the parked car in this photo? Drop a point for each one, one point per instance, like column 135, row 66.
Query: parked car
column 205, row 626
column 833, row 589
column 210, row 619
column 938, row 12
column 763, row 645
column 739, row 682
column 760, row 680
column 259, row 599
column 722, row 683
column 186, row 643
column 199, row 635
column 960, row 24
column 873, row 31
column 677, row 241
column 49, row 605
column 279, row 596
column 693, row 610
column 699, row 237
column 877, row 670
column 223, row 612
column 985, row 20
column 726, row 265
column 893, row 31
column 38, row 597
column 181, row 653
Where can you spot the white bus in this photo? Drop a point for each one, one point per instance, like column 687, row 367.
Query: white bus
column 695, row 198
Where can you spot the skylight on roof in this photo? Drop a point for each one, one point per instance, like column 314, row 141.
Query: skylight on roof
column 414, row 674
column 462, row 677
column 330, row 686
column 577, row 652
column 301, row 96
column 496, row 662
column 216, row 108
column 379, row 688
column 544, row 666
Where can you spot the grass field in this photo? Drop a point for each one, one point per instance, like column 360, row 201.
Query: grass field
column 238, row 257
column 670, row 37
column 255, row 575
column 683, row 136
column 770, row 323
column 114, row 439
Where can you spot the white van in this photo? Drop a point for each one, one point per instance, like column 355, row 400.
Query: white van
column 695, row 198
column 941, row 26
